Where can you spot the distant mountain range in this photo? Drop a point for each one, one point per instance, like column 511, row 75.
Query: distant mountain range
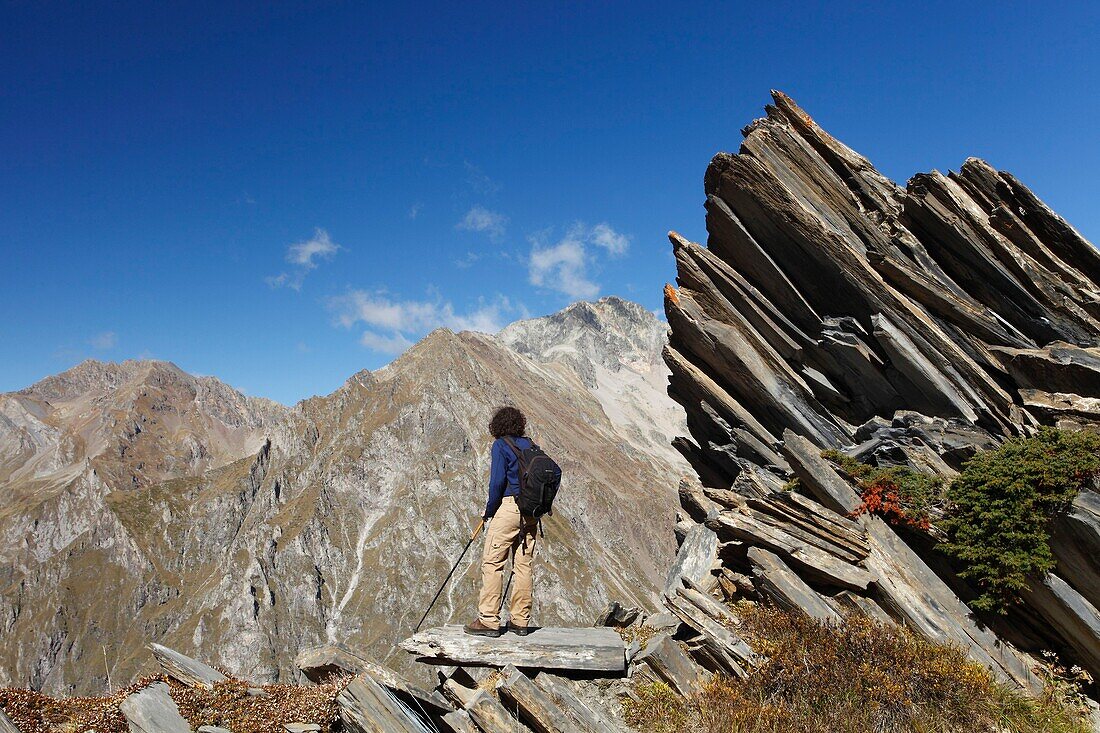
column 138, row 502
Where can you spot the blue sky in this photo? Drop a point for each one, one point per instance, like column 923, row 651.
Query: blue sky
column 283, row 194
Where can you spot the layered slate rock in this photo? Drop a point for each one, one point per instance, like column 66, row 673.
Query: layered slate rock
column 185, row 669
column 592, row 649
column 834, row 309
column 152, row 710
column 319, row 663
column 368, row 707
column 322, row 663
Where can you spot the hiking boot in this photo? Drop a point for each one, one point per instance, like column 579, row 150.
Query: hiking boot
column 519, row 630
column 479, row 629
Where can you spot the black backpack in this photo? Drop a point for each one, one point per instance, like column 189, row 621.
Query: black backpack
column 539, row 479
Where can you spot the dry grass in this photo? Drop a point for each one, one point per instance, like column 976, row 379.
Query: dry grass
column 33, row 712
column 228, row 705
column 637, row 632
column 657, row 710
column 859, row 677
column 489, row 684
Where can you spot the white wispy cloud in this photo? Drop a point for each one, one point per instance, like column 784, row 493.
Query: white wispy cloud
column 564, row 265
column 393, row 323
column 393, row 344
column 414, row 210
column 304, row 256
column 480, row 219
column 304, row 253
column 104, row 341
column 604, row 236
column 479, row 181
column 467, row 261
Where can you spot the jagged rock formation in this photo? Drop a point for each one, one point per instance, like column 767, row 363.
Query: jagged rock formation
column 138, row 503
column 832, row 308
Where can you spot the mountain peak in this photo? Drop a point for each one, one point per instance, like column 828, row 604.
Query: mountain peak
column 607, row 306
column 93, row 375
column 611, row 332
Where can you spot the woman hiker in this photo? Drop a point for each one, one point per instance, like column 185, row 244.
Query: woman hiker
column 507, row 531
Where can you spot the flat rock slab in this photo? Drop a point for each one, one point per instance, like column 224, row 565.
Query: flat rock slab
column 185, row 669
column 152, row 710
column 368, row 707
column 321, row 662
column 6, row 726
column 589, row 649
column 695, row 558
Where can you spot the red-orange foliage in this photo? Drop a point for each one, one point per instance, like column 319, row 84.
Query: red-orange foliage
column 882, row 496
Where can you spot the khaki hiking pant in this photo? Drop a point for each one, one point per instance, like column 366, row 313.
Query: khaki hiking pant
column 508, row 532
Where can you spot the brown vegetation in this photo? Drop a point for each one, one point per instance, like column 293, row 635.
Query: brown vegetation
column 33, row 712
column 229, row 704
column 851, row 678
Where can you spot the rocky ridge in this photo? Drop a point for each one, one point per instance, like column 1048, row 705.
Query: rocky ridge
column 834, row 309
column 152, row 505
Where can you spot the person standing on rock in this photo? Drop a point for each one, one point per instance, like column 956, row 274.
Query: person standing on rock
column 509, row 531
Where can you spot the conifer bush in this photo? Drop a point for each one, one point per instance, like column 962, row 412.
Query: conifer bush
column 1001, row 505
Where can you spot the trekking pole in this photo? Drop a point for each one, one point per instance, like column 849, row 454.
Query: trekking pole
column 504, row 595
column 446, row 580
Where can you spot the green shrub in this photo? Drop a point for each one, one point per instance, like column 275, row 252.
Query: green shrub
column 1001, row 505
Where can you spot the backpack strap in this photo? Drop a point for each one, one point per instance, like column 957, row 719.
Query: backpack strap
column 517, row 451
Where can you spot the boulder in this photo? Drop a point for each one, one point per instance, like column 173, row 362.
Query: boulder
column 617, row 615
column 784, row 588
column 368, row 707
column 697, row 556
column 185, row 669
column 670, row 664
column 319, row 663
column 152, row 710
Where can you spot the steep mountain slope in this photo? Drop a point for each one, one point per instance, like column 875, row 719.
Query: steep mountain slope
column 70, row 446
column 338, row 526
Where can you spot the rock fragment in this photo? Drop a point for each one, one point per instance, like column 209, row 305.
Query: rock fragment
column 152, row 710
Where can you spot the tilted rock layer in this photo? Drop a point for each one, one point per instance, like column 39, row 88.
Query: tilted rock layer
column 832, row 308
column 139, row 503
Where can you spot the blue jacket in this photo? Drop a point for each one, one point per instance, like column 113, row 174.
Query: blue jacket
column 504, row 474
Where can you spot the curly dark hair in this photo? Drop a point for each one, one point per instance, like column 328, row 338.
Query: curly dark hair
column 507, row 421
